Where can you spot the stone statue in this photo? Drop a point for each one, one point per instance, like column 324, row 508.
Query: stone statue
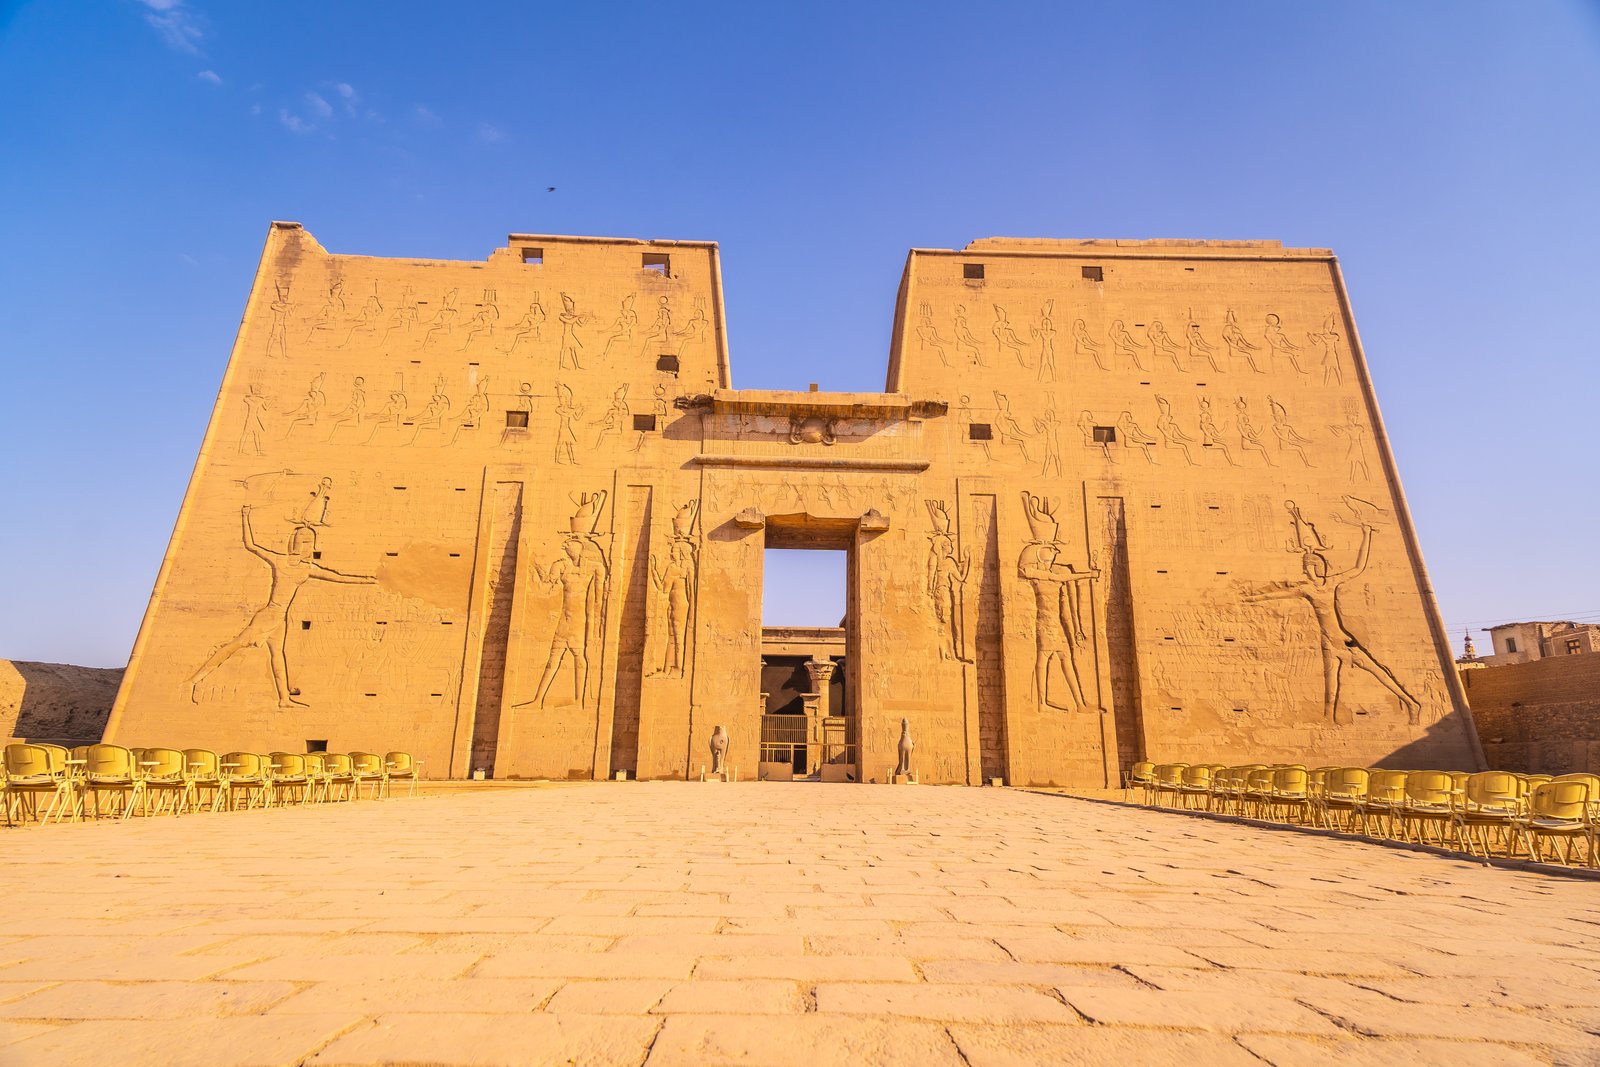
column 906, row 745
column 719, row 750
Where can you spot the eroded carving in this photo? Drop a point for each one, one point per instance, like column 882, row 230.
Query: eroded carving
column 947, row 580
column 1058, row 595
column 674, row 579
column 581, row 573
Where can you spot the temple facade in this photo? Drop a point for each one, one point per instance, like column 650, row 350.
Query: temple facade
column 1117, row 500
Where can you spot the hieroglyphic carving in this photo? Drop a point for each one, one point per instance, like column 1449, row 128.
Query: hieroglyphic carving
column 694, row 331
column 1084, row 345
column 812, row 430
column 482, row 323
column 433, row 414
column 617, row 415
column 269, row 626
column 1130, row 435
column 1058, row 596
column 1123, row 344
column 1171, row 433
column 1354, row 432
column 315, row 511
column 622, row 327
column 1049, row 429
column 332, row 308
column 582, row 574
column 567, row 413
column 1092, row 438
column 1320, row 589
column 406, row 316
column 947, row 579
column 1044, row 331
column 310, row 406
column 660, row 335
column 366, row 320
column 1199, row 347
column 354, row 411
column 444, row 320
column 1249, row 436
column 473, row 412
column 1289, row 440
column 658, row 409
column 675, row 581
column 965, row 342
column 1162, row 344
column 1238, row 344
column 1279, row 344
column 928, row 334
column 393, row 410
column 519, row 426
column 570, row 342
column 1006, row 427
column 528, row 326
column 1328, row 341
column 1211, row 433
column 1005, row 337
column 255, row 425
column 278, row 329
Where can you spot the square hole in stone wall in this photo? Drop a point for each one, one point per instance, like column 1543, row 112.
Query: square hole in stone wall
column 516, row 420
column 980, row 431
column 317, row 746
column 659, row 262
column 1105, row 435
column 533, row 256
column 1094, row 274
column 973, row 272
column 644, row 422
column 667, row 363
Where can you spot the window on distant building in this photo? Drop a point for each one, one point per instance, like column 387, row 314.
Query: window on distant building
column 1574, row 646
column 1511, row 644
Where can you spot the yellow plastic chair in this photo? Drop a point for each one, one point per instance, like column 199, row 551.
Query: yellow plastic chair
column 367, row 767
column 1344, row 792
column 166, row 783
column 1489, row 805
column 1195, row 786
column 112, row 769
column 341, row 776
column 1386, row 795
column 1257, row 792
column 1141, row 776
column 289, row 779
column 1290, row 792
column 1169, row 779
column 1429, row 799
column 401, row 768
column 34, row 771
column 1559, row 810
column 247, row 773
column 1593, row 781
column 203, row 771
column 317, row 775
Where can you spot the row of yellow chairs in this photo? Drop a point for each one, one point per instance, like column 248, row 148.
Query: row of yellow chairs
column 51, row 783
column 1484, row 813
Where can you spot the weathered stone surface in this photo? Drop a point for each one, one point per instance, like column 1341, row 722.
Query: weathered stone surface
column 510, row 515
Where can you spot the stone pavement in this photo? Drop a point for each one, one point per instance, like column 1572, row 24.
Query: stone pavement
column 805, row 925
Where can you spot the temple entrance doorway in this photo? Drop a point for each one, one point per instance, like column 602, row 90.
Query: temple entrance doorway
column 807, row 675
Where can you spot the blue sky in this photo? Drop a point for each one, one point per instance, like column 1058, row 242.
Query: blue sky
column 1448, row 151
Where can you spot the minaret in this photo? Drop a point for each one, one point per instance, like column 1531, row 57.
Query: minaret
column 1469, row 653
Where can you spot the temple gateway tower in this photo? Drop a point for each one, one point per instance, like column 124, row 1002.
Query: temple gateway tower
column 1117, row 500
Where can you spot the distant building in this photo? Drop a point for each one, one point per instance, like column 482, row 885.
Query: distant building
column 1469, row 659
column 1524, row 642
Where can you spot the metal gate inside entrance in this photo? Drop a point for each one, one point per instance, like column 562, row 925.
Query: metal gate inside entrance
column 807, row 747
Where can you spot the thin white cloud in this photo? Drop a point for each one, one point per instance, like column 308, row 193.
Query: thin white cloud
column 176, row 23
column 350, row 99
column 320, row 107
column 294, row 123
column 210, row 76
column 425, row 115
column 489, row 133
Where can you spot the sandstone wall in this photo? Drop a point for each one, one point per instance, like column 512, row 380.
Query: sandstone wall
column 1541, row 717
column 56, row 701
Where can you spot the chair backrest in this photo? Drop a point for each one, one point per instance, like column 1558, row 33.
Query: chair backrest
column 369, row 763
column 1143, row 771
column 1560, row 800
column 27, row 761
column 1592, row 780
column 58, row 756
column 81, row 751
column 1428, row 787
column 316, row 764
column 1259, row 778
column 1291, row 781
column 244, row 765
column 1493, row 789
column 168, row 762
column 288, row 765
column 109, row 761
column 401, row 763
column 337, row 762
column 1198, row 775
column 1348, row 781
column 202, row 762
column 1387, row 786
